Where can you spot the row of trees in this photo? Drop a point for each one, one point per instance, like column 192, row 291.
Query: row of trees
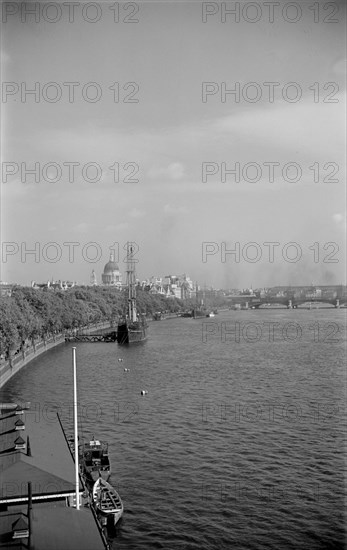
column 31, row 314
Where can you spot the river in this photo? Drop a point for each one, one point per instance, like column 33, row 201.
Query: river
column 239, row 441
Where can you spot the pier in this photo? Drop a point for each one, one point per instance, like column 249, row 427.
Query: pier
column 106, row 337
column 38, row 495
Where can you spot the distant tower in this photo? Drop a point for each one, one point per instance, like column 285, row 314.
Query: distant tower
column 93, row 280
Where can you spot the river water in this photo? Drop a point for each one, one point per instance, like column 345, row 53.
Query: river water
column 239, row 441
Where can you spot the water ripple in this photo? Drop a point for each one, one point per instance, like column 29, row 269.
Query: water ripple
column 236, row 445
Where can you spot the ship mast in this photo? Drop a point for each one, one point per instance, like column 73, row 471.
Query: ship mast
column 77, row 483
column 131, row 282
column 198, row 304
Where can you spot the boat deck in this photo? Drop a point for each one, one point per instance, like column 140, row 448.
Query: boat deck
column 108, row 502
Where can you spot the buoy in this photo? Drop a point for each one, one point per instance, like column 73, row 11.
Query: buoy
column 126, row 370
column 120, row 359
column 144, row 392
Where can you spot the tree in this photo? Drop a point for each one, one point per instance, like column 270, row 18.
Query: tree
column 9, row 335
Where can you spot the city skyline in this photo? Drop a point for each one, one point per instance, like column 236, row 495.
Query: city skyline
column 39, row 259
column 164, row 278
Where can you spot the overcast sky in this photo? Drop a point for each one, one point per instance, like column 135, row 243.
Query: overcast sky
column 163, row 132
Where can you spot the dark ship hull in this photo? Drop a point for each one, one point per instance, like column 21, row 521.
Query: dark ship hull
column 132, row 327
column 197, row 313
column 132, row 333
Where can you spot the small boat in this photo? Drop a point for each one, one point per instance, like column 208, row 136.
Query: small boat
column 94, row 459
column 106, row 499
column 211, row 314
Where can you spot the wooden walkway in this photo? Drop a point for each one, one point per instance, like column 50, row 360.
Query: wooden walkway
column 108, row 337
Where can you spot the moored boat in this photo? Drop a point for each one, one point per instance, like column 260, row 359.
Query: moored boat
column 106, row 499
column 132, row 332
column 200, row 309
column 132, row 327
column 187, row 314
column 200, row 312
column 94, row 460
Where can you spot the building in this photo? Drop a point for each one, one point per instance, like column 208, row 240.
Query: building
column 171, row 286
column 93, row 279
column 154, row 285
column 181, row 286
column 6, row 289
column 111, row 275
column 54, row 285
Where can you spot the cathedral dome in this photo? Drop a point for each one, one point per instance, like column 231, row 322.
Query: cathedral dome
column 111, row 274
column 110, row 267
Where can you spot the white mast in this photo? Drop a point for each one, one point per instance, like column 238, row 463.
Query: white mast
column 77, row 482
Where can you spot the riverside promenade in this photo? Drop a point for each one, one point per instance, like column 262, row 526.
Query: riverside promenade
column 9, row 368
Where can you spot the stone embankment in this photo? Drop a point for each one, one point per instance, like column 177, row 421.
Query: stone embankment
column 10, row 367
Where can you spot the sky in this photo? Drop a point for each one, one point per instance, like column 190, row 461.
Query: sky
column 134, row 132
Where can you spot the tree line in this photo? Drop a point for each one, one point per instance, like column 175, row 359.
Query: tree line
column 30, row 314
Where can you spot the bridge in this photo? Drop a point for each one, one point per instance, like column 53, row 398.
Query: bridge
column 292, row 297
column 256, row 303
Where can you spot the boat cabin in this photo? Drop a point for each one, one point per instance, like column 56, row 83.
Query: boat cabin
column 96, row 456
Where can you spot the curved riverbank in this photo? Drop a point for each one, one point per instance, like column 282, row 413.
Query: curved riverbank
column 10, row 368
column 22, row 358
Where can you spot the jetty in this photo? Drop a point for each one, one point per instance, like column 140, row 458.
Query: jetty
column 38, row 487
column 106, row 337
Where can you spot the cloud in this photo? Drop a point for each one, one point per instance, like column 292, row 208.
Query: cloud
column 171, row 220
column 279, row 132
column 173, row 210
column 136, row 213
column 340, row 220
column 340, row 67
column 174, row 171
column 304, row 128
column 4, row 58
column 81, row 227
column 115, row 228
